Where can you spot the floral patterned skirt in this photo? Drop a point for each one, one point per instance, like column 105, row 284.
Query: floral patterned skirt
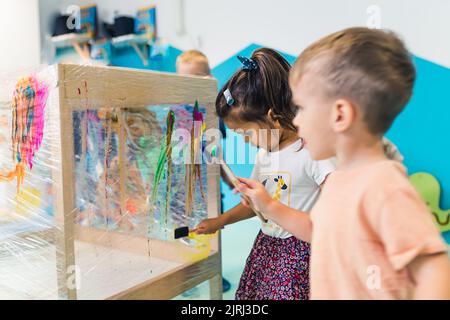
column 276, row 269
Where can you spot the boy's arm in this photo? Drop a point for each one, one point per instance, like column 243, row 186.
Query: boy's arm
column 411, row 240
column 432, row 276
column 296, row 222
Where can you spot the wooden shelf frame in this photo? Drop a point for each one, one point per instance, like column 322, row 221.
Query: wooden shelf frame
column 124, row 88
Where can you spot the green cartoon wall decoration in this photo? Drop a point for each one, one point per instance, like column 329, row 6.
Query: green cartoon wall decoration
column 430, row 190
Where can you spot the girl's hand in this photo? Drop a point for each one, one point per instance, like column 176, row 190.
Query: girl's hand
column 209, row 226
column 257, row 194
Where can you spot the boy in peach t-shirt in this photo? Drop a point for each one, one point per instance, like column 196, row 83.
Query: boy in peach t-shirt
column 371, row 235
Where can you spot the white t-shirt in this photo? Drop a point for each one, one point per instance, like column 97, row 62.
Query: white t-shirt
column 292, row 177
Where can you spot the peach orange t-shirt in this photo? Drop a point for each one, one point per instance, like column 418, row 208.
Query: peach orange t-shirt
column 368, row 225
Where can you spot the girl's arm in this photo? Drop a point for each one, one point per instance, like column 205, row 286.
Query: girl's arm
column 296, row 222
column 236, row 214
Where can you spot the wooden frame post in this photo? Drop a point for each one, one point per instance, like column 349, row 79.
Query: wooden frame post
column 65, row 197
column 214, row 210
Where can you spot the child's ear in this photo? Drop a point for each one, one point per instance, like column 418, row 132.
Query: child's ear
column 342, row 115
column 273, row 118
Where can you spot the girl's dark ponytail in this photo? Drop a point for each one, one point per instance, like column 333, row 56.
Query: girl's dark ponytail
column 256, row 90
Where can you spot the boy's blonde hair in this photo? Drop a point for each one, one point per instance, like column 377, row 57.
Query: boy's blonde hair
column 370, row 67
column 195, row 57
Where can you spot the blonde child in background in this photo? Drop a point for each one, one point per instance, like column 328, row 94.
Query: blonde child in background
column 371, row 235
column 193, row 62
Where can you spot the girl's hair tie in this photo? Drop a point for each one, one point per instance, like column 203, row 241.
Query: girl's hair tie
column 248, row 63
column 228, row 97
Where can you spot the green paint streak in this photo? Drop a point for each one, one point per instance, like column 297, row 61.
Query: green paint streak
column 214, row 151
column 165, row 151
column 164, row 157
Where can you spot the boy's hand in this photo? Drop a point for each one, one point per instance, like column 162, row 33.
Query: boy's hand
column 209, row 226
column 256, row 192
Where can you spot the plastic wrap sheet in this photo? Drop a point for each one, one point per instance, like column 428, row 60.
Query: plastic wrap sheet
column 131, row 188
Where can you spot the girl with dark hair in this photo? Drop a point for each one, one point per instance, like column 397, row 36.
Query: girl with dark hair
column 257, row 103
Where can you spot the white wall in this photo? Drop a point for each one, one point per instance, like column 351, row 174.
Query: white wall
column 226, row 26
column 222, row 27
column 19, row 39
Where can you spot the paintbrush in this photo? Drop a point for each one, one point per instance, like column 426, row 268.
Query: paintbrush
column 235, row 181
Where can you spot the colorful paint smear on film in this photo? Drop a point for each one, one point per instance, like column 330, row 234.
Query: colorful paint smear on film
column 27, row 131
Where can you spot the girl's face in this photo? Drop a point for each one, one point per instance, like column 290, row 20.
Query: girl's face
column 256, row 134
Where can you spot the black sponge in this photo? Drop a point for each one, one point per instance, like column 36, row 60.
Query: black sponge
column 181, row 232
